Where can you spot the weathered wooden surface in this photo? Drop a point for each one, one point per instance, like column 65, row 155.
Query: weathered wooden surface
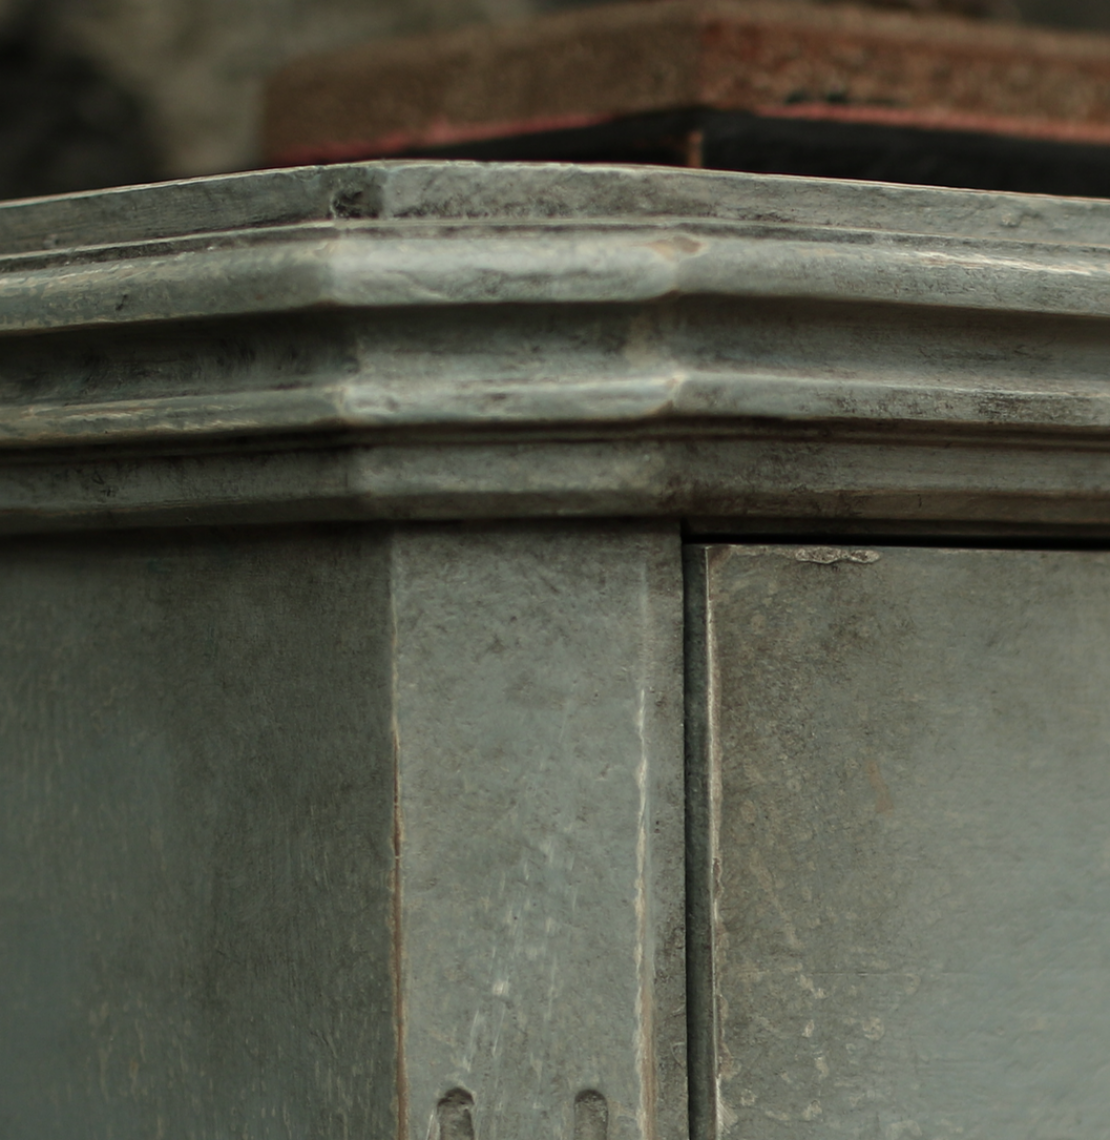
column 375, row 234
column 906, row 865
column 537, row 711
column 337, row 832
column 338, row 343
column 196, row 854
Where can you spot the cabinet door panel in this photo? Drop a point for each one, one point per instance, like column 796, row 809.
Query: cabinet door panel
column 907, row 871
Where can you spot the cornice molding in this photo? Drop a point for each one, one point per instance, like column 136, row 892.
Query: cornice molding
column 577, row 340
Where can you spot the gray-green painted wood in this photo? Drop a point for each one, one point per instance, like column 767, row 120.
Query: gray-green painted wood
column 908, row 813
column 196, row 838
column 448, row 341
column 375, row 829
column 537, row 712
column 307, row 834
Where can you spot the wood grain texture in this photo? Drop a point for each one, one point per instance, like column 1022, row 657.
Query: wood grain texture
column 196, row 789
column 907, row 800
column 435, row 341
column 538, row 725
column 329, row 832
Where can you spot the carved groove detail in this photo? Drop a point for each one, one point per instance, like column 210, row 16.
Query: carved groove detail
column 591, row 1116
column 456, row 1121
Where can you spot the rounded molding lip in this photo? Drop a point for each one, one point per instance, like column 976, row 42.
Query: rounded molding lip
column 461, row 191
column 368, row 264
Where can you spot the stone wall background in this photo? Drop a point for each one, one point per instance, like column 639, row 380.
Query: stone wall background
column 99, row 92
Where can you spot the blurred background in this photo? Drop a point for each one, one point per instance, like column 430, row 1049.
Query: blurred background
column 106, row 92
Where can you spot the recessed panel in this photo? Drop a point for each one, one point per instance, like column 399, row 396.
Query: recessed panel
column 196, row 801
column 909, row 814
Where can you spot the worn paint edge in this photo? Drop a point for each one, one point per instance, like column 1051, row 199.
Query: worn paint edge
column 678, row 399
column 700, row 1002
column 820, row 555
column 401, row 1095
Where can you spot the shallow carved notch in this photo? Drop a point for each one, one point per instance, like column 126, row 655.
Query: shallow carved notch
column 591, row 1116
column 456, row 1120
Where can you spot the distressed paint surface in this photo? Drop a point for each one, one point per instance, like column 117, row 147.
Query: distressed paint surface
column 538, row 694
column 196, row 794
column 910, row 799
column 337, row 342
column 326, row 833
